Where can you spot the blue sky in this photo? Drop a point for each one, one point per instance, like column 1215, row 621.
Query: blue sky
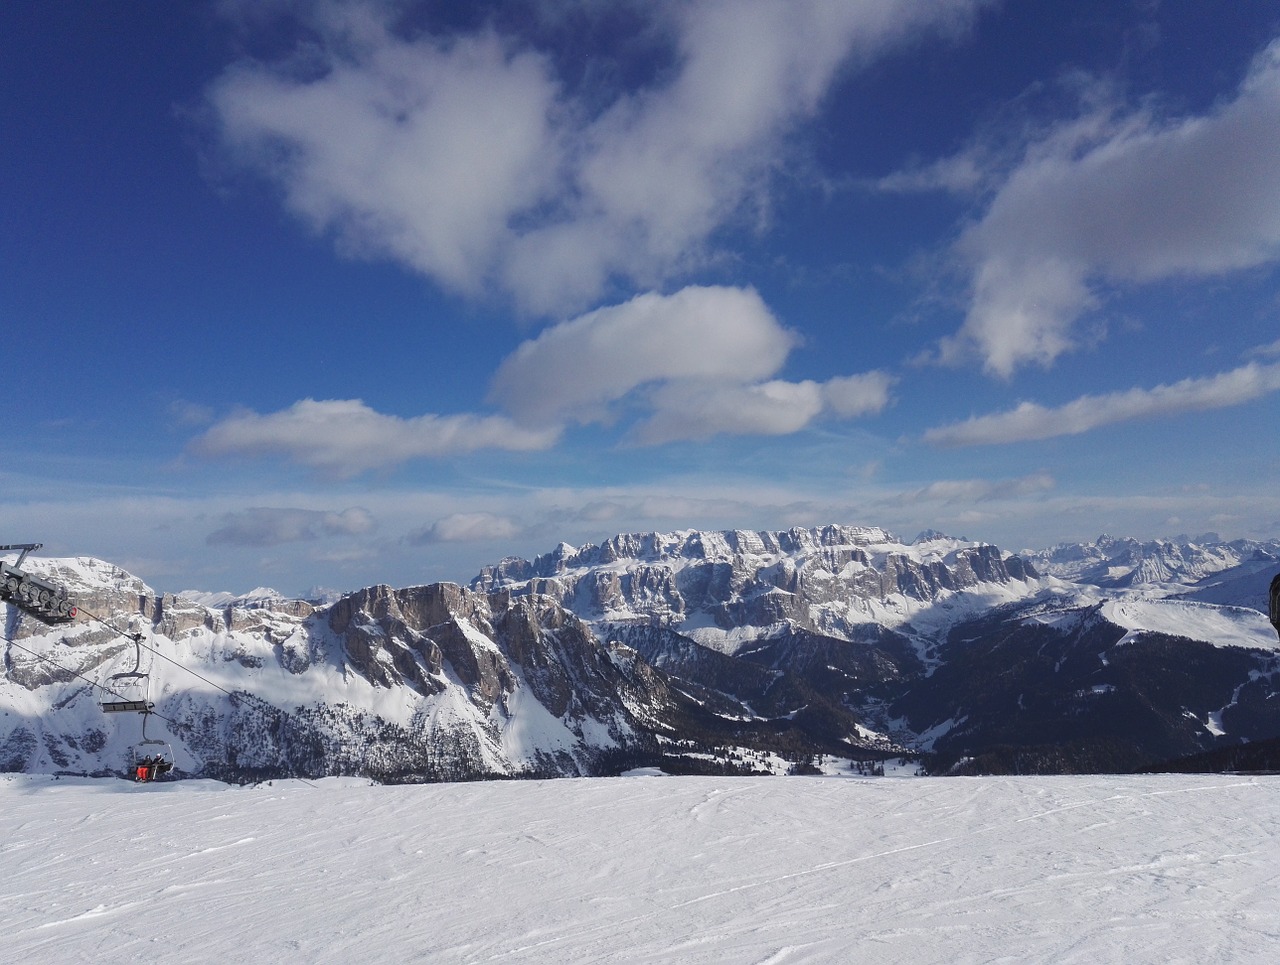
column 332, row 293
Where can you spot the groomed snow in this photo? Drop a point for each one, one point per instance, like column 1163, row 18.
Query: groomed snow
column 644, row 869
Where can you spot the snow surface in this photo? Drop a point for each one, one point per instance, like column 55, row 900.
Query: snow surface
column 644, row 869
column 1222, row 626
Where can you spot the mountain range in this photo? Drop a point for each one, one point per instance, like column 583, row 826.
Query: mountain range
column 716, row 652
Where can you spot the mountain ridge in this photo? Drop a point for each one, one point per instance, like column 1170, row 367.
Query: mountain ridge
column 717, row 651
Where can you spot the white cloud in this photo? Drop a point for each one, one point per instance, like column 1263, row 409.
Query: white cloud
column 575, row 369
column 419, row 151
column 1030, row 421
column 947, row 492
column 850, row 396
column 468, row 160
column 696, row 363
column 1121, row 201
column 345, row 437
column 1268, row 351
column 466, row 527
column 693, row 365
column 265, row 526
column 684, row 410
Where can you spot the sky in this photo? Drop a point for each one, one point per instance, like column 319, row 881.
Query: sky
column 319, row 293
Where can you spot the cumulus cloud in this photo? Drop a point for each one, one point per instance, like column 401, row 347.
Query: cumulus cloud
column 1030, row 421
column 849, row 396
column 466, row 527
column 701, row 410
column 345, row 437
column 263, row 526
column 1120, row 200
column 693, row 365
column 696, row 363
column 576, row 368
column 468, row 159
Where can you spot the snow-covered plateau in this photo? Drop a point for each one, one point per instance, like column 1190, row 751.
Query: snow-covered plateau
column 1123, row 869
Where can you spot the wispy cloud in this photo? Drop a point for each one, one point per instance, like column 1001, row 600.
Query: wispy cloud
column 344, row 437
column 466, row 527
column 469, row 159
column 947, row 492
column 264, row 526
column 1114, row 198
column 1030, row 421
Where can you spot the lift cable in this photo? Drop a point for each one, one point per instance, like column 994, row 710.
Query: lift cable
column 91, row 683
column 137, row 638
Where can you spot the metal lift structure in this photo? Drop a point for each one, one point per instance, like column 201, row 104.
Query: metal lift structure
column 45, row 601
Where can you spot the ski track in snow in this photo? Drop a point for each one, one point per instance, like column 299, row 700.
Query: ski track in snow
column 644, row 869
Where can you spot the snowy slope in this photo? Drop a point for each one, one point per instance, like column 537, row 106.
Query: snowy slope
column 692, row 870
column 1222, row 626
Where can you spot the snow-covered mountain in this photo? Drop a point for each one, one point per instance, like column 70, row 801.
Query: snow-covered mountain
column 1129, row 562
column 424, row 682
column 908, row 637
column 706, row 651
column 726, row 589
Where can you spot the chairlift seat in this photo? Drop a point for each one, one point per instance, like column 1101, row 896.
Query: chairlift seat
column 127, row 706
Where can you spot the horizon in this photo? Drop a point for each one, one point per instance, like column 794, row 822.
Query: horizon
column 356, row 291
column 318, row 591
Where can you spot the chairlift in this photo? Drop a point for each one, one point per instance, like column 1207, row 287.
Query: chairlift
column 129, row 692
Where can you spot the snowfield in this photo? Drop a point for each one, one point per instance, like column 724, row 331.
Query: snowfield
column 644, row 869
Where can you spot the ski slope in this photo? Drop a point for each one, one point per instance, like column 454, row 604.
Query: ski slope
column 643, row 869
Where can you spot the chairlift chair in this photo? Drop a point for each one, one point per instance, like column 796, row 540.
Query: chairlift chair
column 150, row 758
column 128, row 692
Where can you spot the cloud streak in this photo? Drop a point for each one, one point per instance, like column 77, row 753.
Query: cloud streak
column 465, row 528
column 344, row 437
column 264, row 526
column 1030, row 421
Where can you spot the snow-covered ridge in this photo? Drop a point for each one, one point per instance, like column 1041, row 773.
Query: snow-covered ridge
column 257, row 597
